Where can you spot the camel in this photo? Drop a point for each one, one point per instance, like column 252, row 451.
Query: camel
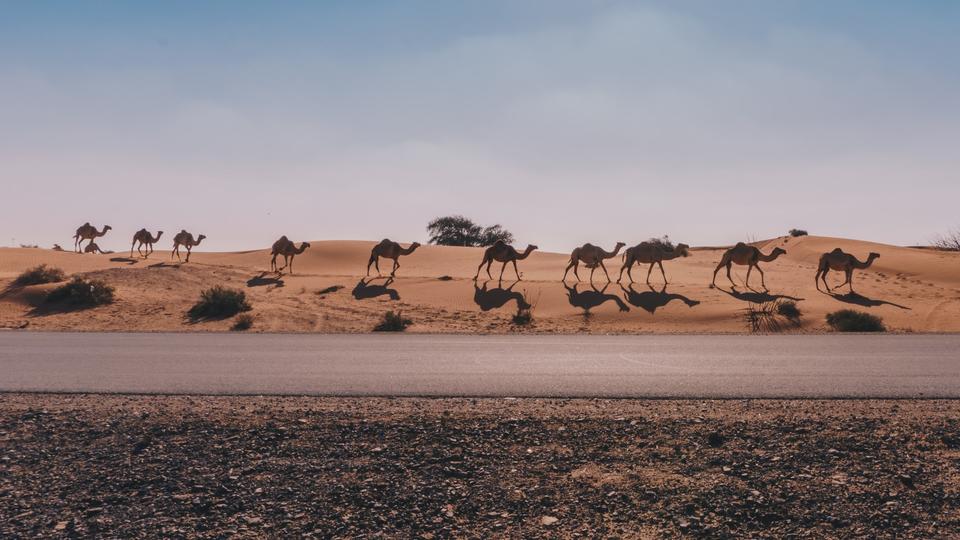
column 745, row 255
column 841, row 262
column 501, row 252
column 650, row 253
column 285, row 247
column 185, row 239
column 145, row 239
column 87, row 232
column 92, row 247
column 388, row 249
column 591, row 256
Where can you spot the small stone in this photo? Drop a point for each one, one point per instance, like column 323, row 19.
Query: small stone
column 61, row 525
column 548, row 520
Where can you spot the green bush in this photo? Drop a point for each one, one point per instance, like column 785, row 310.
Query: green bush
column 82, row 292
column 393, row 322
column 39, row 275
column 244, row 321
column 848, row 320
column 219, row 302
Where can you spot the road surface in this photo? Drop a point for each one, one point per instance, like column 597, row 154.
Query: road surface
column 827, row 366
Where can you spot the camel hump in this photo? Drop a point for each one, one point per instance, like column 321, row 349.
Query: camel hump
column 837, row 250
column 740, row 244
column 499, row 243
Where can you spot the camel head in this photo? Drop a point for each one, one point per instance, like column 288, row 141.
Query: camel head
column 201, row 237
column 159, row 234
column 414, row 245
column 873, row 255
column 531, row 247
column 107, row 228
column 619, row 246
column 683, row 250
column 778, row 252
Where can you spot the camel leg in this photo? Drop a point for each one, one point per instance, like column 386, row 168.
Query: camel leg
column 605, row 271
column 747, row 282
column 515, row 270
column 131, row 248
column 273, row 263
column 478, row 270
column 502, row 268
column 762, row 281
column 569, row 266
column 489, row 264
column 396, row 264
column 292, row 257
column 850, row 279
column 816, row 279
column 662, row 273
column 189, row 251
column 732, row 284
column 370, row 263
column 649, row 269
column 149, row 251
column 717, row 269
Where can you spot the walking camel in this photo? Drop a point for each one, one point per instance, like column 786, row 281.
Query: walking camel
column 185, row 239
column 285, row 247
column 650, row 253
column 145, row 239
column 841, row 262
column 87, row 232
column 591, row 256
column 748, row 256
column 388, row 249
column 501, row 252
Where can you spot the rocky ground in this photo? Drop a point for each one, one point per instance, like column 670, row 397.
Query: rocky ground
column 217, row 467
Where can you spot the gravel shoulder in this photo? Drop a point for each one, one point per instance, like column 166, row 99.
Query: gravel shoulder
column 216, row 467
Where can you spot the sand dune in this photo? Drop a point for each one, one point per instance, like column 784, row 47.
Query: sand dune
column 912, row 289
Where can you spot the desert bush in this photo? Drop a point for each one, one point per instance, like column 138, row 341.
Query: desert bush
column 462, row 231
column 664, row 242
column 773, row 316
column 29, row 246
column 798, row 232
column 244, row 321
column 392, row 322
column 949, row 241
column 789, row 310
column 219, row 302
column 39, row 275
column 82, row 292
column 523, row 317
column 849, row 320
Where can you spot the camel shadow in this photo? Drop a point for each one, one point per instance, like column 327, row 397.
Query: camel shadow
column 860, row 300
column 489, row 299
column 126, row 260
column 364, row 289
column 262, row 280
column 653, row 299
column 757, row 297
column 165, row 265
column 592, row 298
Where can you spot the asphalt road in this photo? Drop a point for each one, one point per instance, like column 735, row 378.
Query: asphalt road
column 829, row 366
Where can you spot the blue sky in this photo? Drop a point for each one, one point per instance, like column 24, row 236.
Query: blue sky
column 566, row 122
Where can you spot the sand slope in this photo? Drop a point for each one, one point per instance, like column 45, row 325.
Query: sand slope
column 912, row 289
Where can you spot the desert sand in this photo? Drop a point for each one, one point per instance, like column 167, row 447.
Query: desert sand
column 913, row 290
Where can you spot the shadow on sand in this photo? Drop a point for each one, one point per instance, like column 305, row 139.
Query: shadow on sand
column 757, row 297
column 166, row 265
column 592, row 298
column 365, row 289
column 262, row 280
column 489, row 299
column 126, row 260
column 653, row 299
column 860, row 300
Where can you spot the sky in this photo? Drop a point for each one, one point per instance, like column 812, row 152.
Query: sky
column 564, row 121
